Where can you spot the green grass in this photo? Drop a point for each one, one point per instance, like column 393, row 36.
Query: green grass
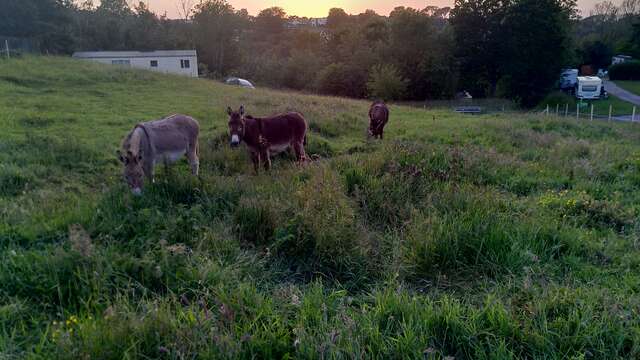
column 619, row 107
column 559, row 101
column 631, row 86
column 508, row 236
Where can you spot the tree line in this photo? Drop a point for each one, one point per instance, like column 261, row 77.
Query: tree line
column 507, row 48
column 609, row 30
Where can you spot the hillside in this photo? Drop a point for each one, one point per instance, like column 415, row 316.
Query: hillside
column 493, row 237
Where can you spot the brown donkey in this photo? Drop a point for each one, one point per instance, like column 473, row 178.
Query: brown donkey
column 160, row 141
column 268, row 136
column 378, row 118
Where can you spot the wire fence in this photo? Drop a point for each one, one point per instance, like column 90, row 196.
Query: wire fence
column 588, row 112
column 495, row 106
column 14, row 46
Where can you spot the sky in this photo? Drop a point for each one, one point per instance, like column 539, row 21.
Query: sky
column 318, row 8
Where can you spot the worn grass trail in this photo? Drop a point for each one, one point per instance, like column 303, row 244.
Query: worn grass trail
column 490, row 237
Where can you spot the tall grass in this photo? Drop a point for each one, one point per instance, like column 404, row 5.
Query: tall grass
column 506, row 236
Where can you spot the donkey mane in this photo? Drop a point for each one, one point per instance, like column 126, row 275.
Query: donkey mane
column 134, row 140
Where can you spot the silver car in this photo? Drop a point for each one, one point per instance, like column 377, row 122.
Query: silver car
column 239, row 82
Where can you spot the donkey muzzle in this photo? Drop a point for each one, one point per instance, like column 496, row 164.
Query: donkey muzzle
column 235, row 140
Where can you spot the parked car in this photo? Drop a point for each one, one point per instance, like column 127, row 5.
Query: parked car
column 568, row 79
column 239, row 82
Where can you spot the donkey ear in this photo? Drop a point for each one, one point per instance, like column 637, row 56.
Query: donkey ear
column 241, row 109
column 229, row 111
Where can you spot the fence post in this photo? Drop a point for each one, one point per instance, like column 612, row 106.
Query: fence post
column 6, row 46
column 591, row 112
column 566, row 110
column 610, row 112
column 547, row 109
column 557, row 109
column 633, row 115
column 578, row 111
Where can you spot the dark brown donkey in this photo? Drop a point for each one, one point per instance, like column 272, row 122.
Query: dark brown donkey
column 268, row 136
column 378, row 118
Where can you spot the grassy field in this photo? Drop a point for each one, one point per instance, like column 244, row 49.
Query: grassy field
column 481, row 237
column 631, row 86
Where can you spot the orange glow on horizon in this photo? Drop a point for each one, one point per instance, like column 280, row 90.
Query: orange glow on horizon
column 320, row 8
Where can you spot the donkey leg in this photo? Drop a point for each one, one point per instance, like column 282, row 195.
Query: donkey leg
column 255, row 158
column 266, row 158
column 194, row 161
column 149, row 169
column 301, row 156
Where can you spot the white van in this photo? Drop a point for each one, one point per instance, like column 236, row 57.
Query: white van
column 568, row 79
column 588, row 87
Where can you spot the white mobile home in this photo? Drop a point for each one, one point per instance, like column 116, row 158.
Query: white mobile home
column 588, row 87
column 619, row 59
column 181, row 62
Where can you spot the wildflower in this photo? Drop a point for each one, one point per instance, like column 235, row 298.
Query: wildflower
column 295, row 300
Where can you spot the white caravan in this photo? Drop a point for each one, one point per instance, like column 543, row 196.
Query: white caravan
column 588, row 87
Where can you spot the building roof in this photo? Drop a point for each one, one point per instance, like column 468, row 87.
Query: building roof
column 134, row 54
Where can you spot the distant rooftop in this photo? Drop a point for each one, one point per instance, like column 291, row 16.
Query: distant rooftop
column 134, row 54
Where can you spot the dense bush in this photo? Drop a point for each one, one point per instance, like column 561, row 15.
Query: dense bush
column 629, row 70
column 342, row 80
column 386, row 83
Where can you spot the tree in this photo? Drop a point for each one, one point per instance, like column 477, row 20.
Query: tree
column 216, row 27
column 519, row 44
column 537, row 46
column 342, row 80
column 630, row 8
column 145, row 29
column 185, row 9
column 479, row 39
column 337, row 19
column 271, row 21
column 596, row 53
column 116, row 8
column 46, row 22
column 386, row 83
column 634, row 41
column 421, row 52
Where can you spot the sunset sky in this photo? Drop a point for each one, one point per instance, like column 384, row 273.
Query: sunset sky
column 318, row 8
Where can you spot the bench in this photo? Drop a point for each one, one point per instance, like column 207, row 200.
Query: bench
column 468, row 109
